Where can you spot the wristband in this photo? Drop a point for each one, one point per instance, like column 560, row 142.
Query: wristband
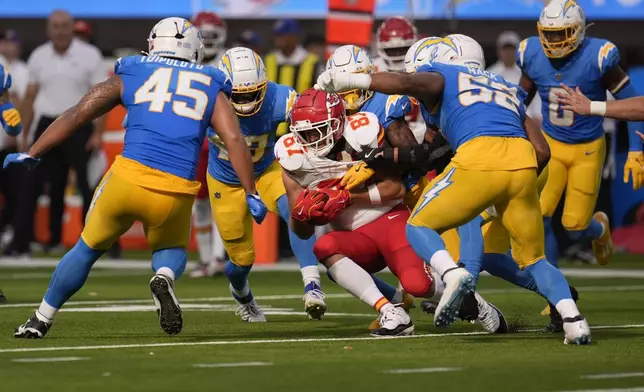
column 374, row 194
column 598, row 108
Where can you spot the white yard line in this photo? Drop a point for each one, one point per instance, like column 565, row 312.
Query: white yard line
column 231, row 365
column 423, row 370
column 606, row 376
column 634, row 389
column 52, row 359
column 268, row 341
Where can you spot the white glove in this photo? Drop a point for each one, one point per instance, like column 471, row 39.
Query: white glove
column 332, row 81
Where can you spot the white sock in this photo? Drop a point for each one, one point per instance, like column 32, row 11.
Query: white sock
column 310, row 274
column 442, row 262
column 46, row 312
column 202, row 220
column 567, row 308
column 167, row 272
column 243, row 293
column 358, row 283
column 439, row 287
column 219, row 252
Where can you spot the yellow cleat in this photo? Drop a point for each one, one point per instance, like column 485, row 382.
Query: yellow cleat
column 545, row 312
column 407, row 304
column 603, row 246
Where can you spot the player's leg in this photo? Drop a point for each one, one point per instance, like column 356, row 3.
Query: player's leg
column 521, row 215
column 471, row 247
column 550, row 196
column 452, row 199
column 581, row 198
column 350, row 257
column 271, row 187
column 107, row 219
column 235, row 224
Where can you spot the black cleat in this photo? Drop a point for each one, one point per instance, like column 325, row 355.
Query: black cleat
column 469, row 310
column 34, row 328
column 556, row 323
column 428, row 307
column 168, row 309
column 3, row 299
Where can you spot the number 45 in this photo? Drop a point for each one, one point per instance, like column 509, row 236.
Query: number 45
column 156, row 91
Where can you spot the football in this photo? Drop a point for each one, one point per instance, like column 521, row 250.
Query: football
column 320, row 221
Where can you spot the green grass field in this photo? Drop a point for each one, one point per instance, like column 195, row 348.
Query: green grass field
column 108, row 339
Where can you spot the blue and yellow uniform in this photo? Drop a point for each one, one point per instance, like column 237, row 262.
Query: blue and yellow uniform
column 576, row 142
column 226, row 194
column 9, row 117
column 169, row 107
column 481, row 116
column 388, row 108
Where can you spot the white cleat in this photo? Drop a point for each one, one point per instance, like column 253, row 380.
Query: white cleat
column 458, row 283
column 208, row 269
column 490, row 317
column 394, row 322
column 576, row 331
column 314, row 304
column 250, row 313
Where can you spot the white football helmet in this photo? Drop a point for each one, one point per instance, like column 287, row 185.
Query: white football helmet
column 562, row 27
column 176, row 38
column 352, row 59
column 247, row 73
column 417, row 54
column 459, row 49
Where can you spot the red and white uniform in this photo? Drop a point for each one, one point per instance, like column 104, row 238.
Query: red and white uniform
column 372, row 236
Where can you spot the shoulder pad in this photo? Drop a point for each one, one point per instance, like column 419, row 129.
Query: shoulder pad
column 526, row 50
column 284, row 100
column 607, row 55
column 289, row 153
column 222, row 79
column 363, row 130
column 397, row 106
column 123, row 63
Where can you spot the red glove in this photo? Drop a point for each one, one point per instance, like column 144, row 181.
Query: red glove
column 309, row 206
column 338, row 200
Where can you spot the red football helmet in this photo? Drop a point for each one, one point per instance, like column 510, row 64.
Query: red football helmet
column 213, row 30
column 317, row 120
column 394, row 37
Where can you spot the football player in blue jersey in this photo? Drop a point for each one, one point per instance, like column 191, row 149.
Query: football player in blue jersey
column 261, row 106
column 562, row 54
column 483, row 118
column 171, row 100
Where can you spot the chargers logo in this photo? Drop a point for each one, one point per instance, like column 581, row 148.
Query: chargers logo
column 225, row 60
column 391, row 102
column 522, row 47
column 435, row 191
column 569, row 4
column 603, row 54
column 427, row 43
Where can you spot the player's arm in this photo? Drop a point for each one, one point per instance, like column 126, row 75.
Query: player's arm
column 27, row 111
column 539, row 142
column 302, row 229
column 384, row 191
column 100, row 99
column 225, row 123
column 631, row 109
column 529, row 86
column 399, row 134
column 420, row 156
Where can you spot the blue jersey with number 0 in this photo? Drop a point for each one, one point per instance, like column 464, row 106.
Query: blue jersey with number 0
column 169, row 107
column 260, row 132
column 585, row 69
column 476, row 103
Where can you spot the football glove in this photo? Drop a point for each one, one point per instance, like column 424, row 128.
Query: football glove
column 338, row 200
column 309, row 206
column 20, row 158
column 256, row 207
column 634, row 167
column 356, row 175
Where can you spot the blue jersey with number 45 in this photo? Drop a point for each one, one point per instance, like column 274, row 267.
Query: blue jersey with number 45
column 585, row 69
column 476, row 103
column 169, row 107
column 259, row 130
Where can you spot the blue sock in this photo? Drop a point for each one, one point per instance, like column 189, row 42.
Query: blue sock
column 173, row 258
column 552, row 248
column 238, row 278
column 471, row 250
column 504, row 267
column 385, row 288
column 71, row 273
column 303, row 249
column 593, row 231
column 424, row 241
column 550, row 281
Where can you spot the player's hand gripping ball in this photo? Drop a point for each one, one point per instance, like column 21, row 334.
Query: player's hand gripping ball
column 339, row 198
column 309, row 207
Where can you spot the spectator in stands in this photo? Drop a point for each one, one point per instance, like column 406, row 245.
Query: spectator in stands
column 506, row 66
column 316, row 44
column 61, row 71
column 250, row 39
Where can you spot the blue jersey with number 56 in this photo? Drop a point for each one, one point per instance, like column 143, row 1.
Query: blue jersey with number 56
column 585, row 69
column 169, row 107
column 260, row 132
column 476, row 103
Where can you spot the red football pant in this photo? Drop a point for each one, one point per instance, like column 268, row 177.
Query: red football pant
column 379, row 244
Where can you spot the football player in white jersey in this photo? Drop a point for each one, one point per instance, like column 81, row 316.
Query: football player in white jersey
column 214, row 32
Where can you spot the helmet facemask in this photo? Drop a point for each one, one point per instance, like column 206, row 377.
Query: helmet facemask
column 559, row 42
column 318, row 138
column 248, row 100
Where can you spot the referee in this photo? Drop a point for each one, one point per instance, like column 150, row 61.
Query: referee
column 61, row 71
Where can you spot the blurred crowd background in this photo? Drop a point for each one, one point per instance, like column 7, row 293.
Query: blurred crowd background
column 55, row 51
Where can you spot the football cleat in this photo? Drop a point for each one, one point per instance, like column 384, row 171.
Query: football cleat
column 556, row 322
column 458, row 283
column 3, row 299
column 429, row 307
column 394, row 322
column 209, row 268
column 168, row 309
column 407, row 303
column 314, row 304
column 489, row 316
column 603, row 246
column 34, row 328
column 250, row 312
column 576, row 331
